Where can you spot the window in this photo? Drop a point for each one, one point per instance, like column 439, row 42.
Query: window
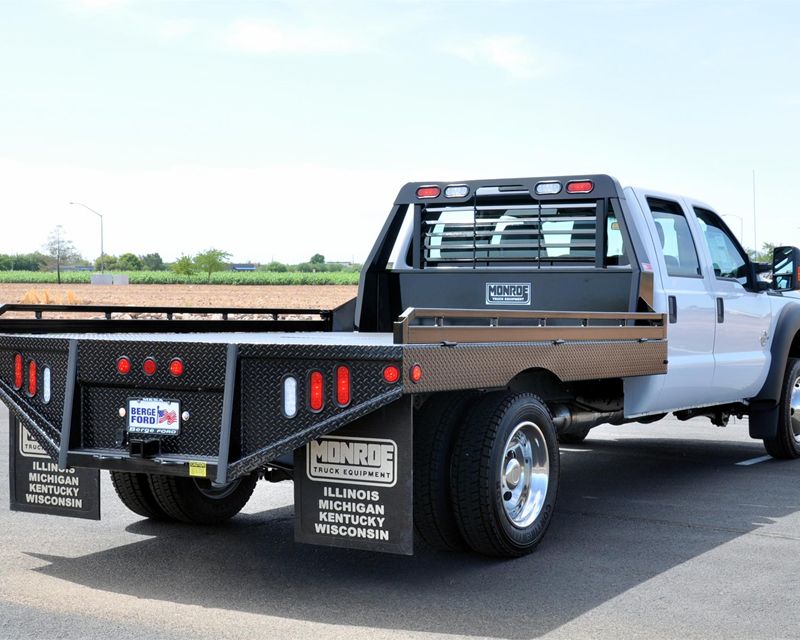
column 615, row 243
column 726, row 255
column 680, row 254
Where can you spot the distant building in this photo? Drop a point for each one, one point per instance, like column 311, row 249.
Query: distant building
column 244, row 266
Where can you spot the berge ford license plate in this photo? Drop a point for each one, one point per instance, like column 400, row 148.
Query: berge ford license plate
column 154, row 416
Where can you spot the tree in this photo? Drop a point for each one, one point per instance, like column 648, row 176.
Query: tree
column 61, row 249
column 152, row 262
column 107, row 262
column 277, row 267
column 317, row 258
column 183, row 266
column 129, row 262
column 211, row 260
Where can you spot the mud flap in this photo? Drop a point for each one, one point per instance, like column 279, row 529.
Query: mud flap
column 38, row 486
column 354, row 487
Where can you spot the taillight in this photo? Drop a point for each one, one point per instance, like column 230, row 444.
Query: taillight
column 123, row 366
column 580, row 186
column 391, row 374
column 416, row 373
column 428, row 192
column 18, row 371
column 176, row 367
column 342, row 385
column 32, row 381
column 149, row 366
column 316, row 391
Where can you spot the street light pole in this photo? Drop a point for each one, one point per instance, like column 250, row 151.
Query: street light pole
column 102, row 251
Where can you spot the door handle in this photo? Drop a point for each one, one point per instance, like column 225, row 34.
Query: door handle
column 672, row 303
column 720, row 310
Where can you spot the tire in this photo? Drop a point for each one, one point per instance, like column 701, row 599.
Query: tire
column 195, row 501
column 436, row 426
column 786, row 444
column 575, row 437
column 135, row 492
column 494, row 516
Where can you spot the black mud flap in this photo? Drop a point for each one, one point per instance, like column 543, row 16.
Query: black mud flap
column 38, row 486
column 354, row 487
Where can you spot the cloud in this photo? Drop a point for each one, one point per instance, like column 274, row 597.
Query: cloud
column 258, row 36
column 512, row 54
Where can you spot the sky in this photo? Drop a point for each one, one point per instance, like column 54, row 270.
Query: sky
column 277, row 130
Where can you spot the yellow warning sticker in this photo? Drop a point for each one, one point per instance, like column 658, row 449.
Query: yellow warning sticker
column 197, row 469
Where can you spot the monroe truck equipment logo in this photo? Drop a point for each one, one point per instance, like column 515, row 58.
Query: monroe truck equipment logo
column 365, row 461
column 508, row 293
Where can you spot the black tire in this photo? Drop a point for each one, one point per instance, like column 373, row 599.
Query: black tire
column 478, row 483
column 436, row 426
column 135, row 492
column 574, row 437
column 786, row 444
column 195, row 501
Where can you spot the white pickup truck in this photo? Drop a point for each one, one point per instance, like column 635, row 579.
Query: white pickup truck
column 494, row 318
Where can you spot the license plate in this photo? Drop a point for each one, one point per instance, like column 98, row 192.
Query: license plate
column 154, row 417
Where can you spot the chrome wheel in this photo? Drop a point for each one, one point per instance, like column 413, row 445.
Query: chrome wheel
column 525, row 473
column 208, row 490
column 794, row 409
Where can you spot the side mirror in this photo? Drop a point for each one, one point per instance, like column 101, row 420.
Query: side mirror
column 786, row 268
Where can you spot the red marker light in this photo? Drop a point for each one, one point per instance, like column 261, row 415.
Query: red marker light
column 123, row 366
column 428, row 192
column 32, row 378
column 149, row 366
column 580, row 186
column 176, row 367
column 316, row 391
column 18, row 371
column 416, row 373
column 342, row 385
column 391, row 374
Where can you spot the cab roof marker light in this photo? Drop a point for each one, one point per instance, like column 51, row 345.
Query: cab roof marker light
column 429, row 191
column 548, row 188
column 580, row 186
column 456, row 191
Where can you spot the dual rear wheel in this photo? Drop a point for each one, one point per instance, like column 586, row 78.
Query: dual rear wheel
column 190, row 500
column 486, row 472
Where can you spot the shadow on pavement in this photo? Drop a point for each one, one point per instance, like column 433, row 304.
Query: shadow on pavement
column 628, row 512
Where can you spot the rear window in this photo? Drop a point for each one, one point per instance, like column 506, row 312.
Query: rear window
column 551, row 233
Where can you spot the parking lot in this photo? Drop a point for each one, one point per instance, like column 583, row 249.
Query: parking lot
column 660, row 531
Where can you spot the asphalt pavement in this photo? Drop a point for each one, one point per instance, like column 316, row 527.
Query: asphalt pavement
column 660, row 532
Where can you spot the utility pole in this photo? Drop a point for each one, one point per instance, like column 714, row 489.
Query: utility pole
column 755, row 226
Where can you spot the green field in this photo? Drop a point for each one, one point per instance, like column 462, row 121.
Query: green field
column 168, row 277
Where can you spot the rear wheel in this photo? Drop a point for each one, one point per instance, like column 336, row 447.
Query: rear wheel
column 135, row 492
column 786, row 444
column 436, row 426
column 197, row 501
column 505, row 474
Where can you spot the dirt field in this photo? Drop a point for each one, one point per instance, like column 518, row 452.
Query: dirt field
column 322, row 297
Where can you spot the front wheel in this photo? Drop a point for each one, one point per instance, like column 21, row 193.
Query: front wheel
column 197, row 501
column 786, row 444
column 505, row 474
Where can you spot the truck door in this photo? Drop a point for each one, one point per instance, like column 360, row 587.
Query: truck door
column 691, row 308
column 743, row 314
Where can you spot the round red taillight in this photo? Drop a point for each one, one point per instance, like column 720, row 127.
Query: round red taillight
column 391, row 374
column 176, row 367
column 416, row 373
column 18, row 371
column 123, row 366
column 149, row 366
column 32, row 381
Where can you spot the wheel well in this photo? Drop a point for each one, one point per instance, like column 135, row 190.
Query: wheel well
column 794, row 350
column 543, row 382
